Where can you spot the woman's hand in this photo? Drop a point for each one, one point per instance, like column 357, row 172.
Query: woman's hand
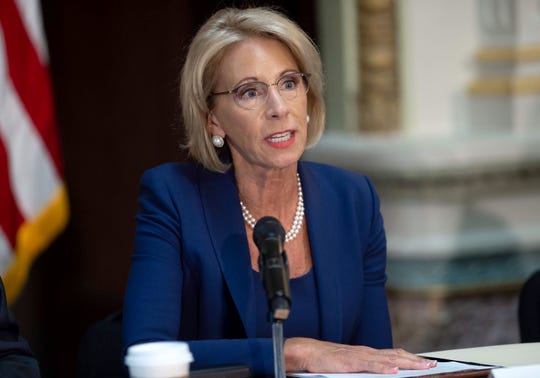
column 324, row 357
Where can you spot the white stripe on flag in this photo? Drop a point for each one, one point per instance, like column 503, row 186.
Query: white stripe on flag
column 30, row 166
column 30, row 11
column 6, row 254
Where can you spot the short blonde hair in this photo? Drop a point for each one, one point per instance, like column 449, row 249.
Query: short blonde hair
column 226, row 27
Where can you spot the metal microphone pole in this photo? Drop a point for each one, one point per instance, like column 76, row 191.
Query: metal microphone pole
column 269, row 236
column 278, row 312
column 279, row 358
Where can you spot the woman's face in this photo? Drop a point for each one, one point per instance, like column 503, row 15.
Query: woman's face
column 272, row 136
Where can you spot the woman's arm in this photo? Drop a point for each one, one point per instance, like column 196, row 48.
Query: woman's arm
column 326, row 357
column 373, row 327
column 153, row 300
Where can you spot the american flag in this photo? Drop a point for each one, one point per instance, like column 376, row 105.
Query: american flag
column 33, row 197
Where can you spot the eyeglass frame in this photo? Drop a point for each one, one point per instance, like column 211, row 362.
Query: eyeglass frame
column 303, row 75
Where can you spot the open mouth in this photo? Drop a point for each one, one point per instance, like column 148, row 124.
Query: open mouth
column 280, row 137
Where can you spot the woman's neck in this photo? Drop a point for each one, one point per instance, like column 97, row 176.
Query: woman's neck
column 269, row 192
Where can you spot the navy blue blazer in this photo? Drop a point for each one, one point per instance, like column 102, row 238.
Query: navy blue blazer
column 190, row 275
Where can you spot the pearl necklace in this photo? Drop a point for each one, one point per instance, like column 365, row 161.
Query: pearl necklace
column 298, row 216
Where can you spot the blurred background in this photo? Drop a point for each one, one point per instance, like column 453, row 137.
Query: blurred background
column 437, row 101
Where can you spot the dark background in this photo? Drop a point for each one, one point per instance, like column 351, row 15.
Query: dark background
column 114, row 66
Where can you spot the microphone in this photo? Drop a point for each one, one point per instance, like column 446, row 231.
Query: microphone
column 269, row 236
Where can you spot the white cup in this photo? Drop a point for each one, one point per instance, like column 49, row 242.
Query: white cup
column 160, row 359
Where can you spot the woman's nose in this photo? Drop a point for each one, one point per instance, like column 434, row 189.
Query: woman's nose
column 276, row 104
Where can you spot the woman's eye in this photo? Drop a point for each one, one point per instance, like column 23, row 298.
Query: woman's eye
column 289, row 83
column 249, row 92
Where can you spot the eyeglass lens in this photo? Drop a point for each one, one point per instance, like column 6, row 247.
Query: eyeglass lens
column 254, row 94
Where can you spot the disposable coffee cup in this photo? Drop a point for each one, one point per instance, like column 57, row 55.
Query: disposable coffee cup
column 160, row 359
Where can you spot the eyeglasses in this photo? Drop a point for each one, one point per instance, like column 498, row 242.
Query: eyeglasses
column 254, row 94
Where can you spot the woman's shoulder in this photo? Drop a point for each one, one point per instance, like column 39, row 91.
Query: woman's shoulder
column 182, row 168
column 324, row 171
column 183, row 178
column 174, row 172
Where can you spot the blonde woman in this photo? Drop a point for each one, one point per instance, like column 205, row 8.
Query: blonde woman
column 252, row 101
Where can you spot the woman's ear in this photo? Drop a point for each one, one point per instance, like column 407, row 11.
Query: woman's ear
column 214, row 125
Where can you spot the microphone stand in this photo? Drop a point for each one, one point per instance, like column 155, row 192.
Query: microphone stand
column 269, row 236
column 278, row 311
column 277, row 339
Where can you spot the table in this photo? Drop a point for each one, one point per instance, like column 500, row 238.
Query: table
column 506, row 355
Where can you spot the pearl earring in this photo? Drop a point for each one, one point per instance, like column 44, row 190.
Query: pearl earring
column 307, row 118
column 217, row 141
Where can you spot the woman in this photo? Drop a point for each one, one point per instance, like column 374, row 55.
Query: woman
column 251, row 93
column 16, row 358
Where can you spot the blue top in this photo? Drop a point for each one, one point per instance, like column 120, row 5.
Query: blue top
column 303, row 319
column 191, row 278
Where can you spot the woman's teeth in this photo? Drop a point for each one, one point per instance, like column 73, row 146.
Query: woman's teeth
column 282, row 137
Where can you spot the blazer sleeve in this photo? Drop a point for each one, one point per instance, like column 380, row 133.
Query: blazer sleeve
column 16, row 359
column 374, row 326
column 153, row 299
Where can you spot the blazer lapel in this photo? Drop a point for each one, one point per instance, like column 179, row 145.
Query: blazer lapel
column 226, row 228
column 320, row 211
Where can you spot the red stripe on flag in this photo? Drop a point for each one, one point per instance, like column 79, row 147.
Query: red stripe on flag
column 10, row 216
column 30, row 78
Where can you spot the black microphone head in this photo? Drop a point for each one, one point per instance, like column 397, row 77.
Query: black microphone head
column 268, row 227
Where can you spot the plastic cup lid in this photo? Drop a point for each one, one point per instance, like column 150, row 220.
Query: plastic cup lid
column 158, row 353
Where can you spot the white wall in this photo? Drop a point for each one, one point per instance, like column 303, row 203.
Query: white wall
column 438, row 40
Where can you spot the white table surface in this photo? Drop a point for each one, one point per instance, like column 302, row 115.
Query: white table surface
column 500, row 355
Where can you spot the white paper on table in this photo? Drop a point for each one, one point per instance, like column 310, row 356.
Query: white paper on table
column 517, row 372
column 442, row 367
